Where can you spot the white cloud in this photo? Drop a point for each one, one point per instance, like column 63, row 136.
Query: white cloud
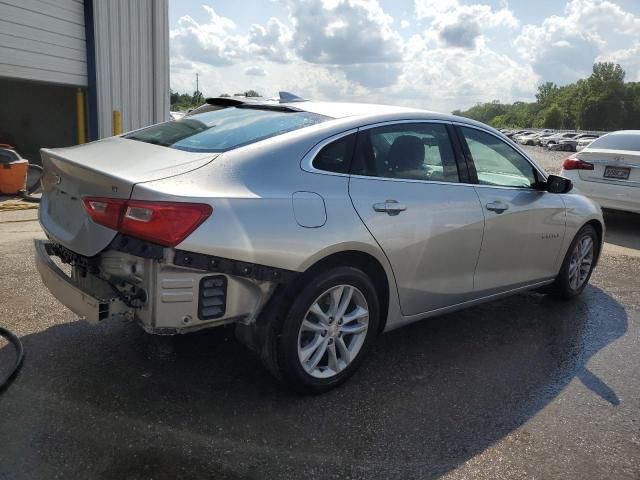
column 355, row 50
column 255, row 71
column 270, row 42
column 462, row 25
column 629, row 60
column 463, row 77
column 344, row 32
column 212, row 43
column 564, row 48
column 373, row 75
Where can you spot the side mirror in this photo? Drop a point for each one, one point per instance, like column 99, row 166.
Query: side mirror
column 556, row 184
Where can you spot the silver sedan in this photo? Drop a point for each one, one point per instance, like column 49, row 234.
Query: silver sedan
column 312, row 227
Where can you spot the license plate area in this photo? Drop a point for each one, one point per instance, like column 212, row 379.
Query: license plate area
column 618, row 173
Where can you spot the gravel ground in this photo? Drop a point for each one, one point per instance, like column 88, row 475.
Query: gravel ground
column 550, row 161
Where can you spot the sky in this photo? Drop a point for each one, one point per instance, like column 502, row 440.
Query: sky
column 438, row 55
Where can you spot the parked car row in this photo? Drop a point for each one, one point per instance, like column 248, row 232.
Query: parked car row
column 563, row 141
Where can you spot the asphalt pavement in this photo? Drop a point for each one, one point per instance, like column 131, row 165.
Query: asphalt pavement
column 525, row 387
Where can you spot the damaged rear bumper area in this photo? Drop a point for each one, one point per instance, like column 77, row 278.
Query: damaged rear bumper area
column 92, row 306
column 170, row 293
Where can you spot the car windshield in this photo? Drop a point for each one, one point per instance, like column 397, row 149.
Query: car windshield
column 618, row 142
column 223, row 130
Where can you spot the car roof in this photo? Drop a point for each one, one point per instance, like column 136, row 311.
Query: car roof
column 625, row 132
column 352, row 114
column 346, row 109
column 376, row 112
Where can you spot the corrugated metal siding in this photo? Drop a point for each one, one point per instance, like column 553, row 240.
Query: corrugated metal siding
column 132, row 62
column 43, row 40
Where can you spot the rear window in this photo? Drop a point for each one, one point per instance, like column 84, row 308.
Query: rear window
column 618, row 142
column 226, row 129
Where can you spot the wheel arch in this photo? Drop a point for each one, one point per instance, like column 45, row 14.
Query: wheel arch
column 599, row 227
column 365, row 262
column 262, row 336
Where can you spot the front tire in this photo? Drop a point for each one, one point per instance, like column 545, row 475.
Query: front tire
column 327, row 330
column 578, row 264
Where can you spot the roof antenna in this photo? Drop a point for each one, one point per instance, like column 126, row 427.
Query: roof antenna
column 287, row 97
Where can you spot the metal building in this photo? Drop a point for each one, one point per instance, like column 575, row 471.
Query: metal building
column 74, row 70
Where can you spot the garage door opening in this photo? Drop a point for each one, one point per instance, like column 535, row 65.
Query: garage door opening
column 37, row 115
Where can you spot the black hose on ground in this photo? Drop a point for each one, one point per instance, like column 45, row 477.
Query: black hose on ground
column 13, row 339
column 28, row 198
column 33, row 183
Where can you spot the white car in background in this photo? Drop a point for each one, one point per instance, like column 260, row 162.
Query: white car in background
column 608, row 170
column 554, row 139
column 517, row 138
column 538, row 140
column 528, row 139
column 570, row 144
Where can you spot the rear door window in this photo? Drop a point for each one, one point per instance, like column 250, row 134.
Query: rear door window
column 226, row 129
column 409, row 151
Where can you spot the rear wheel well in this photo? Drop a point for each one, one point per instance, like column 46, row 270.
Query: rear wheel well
column 597, row 225
column 599, row 230
column 363, row 261
column 262, row 336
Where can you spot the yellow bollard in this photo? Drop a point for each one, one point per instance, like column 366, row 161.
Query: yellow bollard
column 80, row 115
column 117, row 122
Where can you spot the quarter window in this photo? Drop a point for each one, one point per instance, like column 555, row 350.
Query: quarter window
column 336, row 156
column 419, row 151
column 496, row 162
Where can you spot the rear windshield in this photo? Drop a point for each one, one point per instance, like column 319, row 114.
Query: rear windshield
column 618, row 142
column 225, row 129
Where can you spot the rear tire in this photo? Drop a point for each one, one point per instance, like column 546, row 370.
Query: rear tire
column 578, row 264
column 325, row 331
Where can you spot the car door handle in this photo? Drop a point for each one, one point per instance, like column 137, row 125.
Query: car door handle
column 392, row 207
column 497, row 207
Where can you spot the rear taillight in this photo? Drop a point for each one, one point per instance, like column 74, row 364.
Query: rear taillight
column 105, row 211
column 576, row 164
column 164, row 223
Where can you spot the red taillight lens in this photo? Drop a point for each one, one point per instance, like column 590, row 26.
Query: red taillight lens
column 164, row 223
column 576, row 164
column 105, row 211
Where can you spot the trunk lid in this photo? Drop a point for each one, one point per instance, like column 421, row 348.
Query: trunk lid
column 611, row 162
column 106, row 168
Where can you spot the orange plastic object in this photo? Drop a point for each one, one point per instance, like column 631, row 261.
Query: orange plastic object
column 13, row 176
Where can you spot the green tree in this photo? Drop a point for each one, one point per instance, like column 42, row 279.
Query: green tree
column 632, row 104
column 601, row 102
column 546, row 93
column 603, row 105
column 606, row 77
column 553, row 117
column 197, row 98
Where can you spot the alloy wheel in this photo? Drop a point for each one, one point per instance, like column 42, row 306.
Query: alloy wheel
column 581, row 262
column 333, row 331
